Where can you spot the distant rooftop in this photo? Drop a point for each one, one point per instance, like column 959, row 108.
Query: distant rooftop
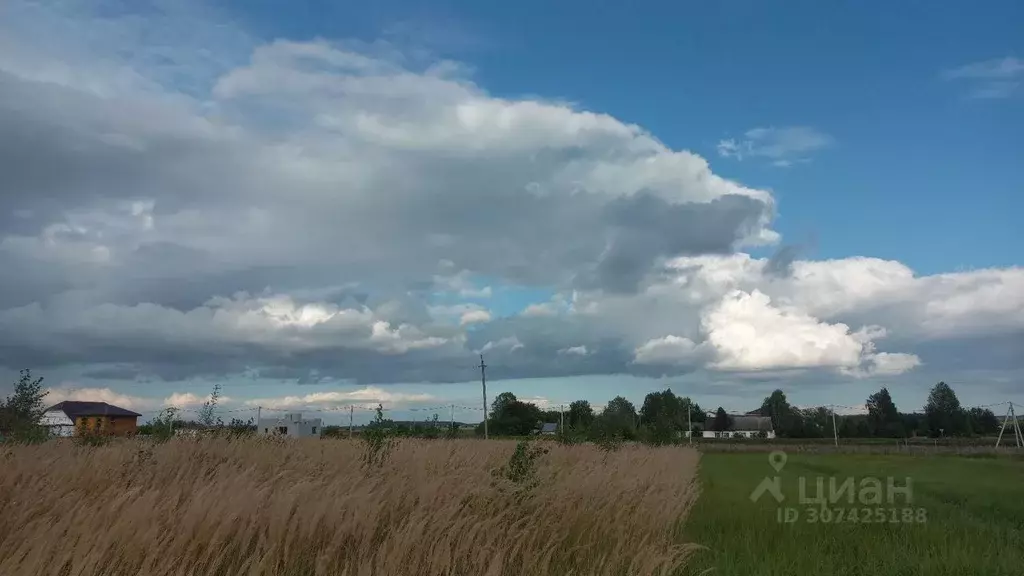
column 75, row 409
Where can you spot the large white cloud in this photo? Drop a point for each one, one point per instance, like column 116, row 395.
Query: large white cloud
column 749, row 333
column 296, row 206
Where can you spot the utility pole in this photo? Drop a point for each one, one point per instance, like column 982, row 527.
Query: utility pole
column 351, row 409
column 259, row 411
column 453, row 417
column 1016, row 425
column 561, row 417
column 483, row 383
column 689, row 422
column 835, row 433
column 1011, row 416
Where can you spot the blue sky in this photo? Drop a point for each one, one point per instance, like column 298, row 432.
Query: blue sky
column 887, row 137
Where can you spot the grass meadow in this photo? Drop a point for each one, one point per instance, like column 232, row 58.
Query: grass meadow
column 218, row 506
column 974, row 518
column 259, row 507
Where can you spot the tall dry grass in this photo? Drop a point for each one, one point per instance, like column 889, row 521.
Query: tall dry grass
column 252, row 507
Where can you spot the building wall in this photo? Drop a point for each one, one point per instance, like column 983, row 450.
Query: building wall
column 745, row 433
column 58, row 423
column 290, row 425
column 124, row 425
column 111, row 425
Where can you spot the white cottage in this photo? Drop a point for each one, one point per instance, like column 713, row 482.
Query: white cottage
column 291, row 425
column 745, row 425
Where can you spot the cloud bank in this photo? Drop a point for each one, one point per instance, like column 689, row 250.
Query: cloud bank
column 295, row 207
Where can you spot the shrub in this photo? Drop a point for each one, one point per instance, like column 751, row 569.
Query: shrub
column 377, row 441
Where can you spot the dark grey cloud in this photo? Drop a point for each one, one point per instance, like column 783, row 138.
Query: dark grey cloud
column 644, row 228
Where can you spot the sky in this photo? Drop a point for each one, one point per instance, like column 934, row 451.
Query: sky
column 321, row 205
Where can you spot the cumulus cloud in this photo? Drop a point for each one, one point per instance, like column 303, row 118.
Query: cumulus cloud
column 510, row 343
column 188, row 400
column 61, row 393
column 575, row 350
column 669, row 349
column 474, row 317
column 366, row 397
column 275, row 323
column 463, row 314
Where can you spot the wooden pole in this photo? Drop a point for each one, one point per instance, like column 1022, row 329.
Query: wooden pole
column 1006, row 419
column 835, row 433
column 689, row 423
column 483, row 383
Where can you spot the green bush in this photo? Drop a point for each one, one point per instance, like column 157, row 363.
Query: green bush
column 377, row 441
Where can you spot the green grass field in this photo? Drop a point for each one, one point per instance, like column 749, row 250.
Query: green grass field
column 974, row 520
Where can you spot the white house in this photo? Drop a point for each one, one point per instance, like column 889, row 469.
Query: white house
column 744, row 425
column 291, row 425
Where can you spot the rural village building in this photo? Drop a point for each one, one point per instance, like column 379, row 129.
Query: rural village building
column 746, row 425
column 548, row 429
column 291, row 425
column 74, row 418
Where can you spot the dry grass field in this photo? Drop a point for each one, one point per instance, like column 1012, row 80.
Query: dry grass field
column 252, row 507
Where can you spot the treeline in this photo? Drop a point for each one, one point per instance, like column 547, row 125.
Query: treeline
column 432, row 428
column 943, row 416
column 661, row 418
column 665, row 416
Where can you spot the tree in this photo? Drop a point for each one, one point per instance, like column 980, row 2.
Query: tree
column 581, row 415
column 207, row 414
column 983, row 421
column 619, row 418
column 696, row 413
column 784, row 421
column 854, row 427
column 620, row 408
column 883, row 417
column 550, row 415
column 722, row 421
column 21, row 412
column 500, row 402
column 239, row 427
column 811, row 423
column 663, row 409
column 162, row 426
column 512, row 417
column 943, row 412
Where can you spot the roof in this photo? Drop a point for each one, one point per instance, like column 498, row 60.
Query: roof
column 549, row 427
column 750, row 423
column 75, row 409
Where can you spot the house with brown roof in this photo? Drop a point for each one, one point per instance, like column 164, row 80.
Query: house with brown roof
column 74, row 418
